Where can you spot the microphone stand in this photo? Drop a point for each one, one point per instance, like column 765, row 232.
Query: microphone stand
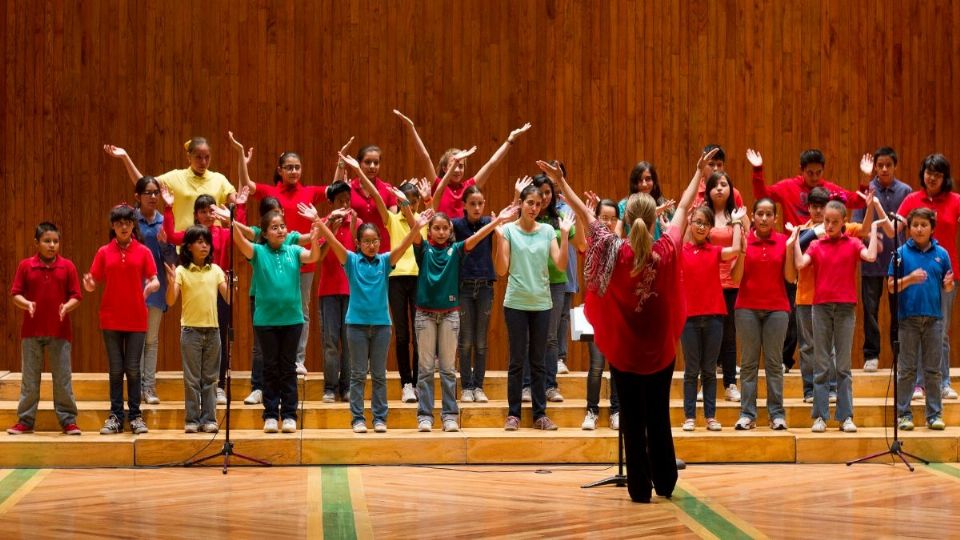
column 896, row 446
column 227, row 450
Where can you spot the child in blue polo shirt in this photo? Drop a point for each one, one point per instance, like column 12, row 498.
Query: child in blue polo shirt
column 926, row 272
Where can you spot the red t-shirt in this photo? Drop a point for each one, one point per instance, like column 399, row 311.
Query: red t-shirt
column 762, row 285
column 289, row 196
column 791, row 195
column 333, row 280
column 638, row 319
column 836, row 264
column 723, row 237
column 451, row 200
column 701, row 279
column 222, row 239
column 947, row 207
column 366, row 207
column 48, row 286
column 123, row 273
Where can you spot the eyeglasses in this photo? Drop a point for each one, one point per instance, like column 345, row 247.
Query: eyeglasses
column 291, row 168
column 150, row 194
column 701, row 224
column 370, row 242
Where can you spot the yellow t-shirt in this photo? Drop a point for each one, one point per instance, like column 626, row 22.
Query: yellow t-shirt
column 187, row 186
column 398, row 229
column 199, row 288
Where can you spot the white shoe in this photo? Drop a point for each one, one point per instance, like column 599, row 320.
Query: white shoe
column 255, row 397
column 948, row 393
column 871, row 365
column 778, row 424
column 450, row 425
column 731, row 393
column 525, row 395
column 808, row 399
column 689, row 424
column 466, row 396
column 270, row 425
column 360, row 427
column 380, row 427
column 408, row 395
column 425, row 425
column 589, row 421
column 301, row 368
column 221, row 397
column 191, row 428
column 848, row 426
column 554, row 395
column 562, row 368
column 479, row 396
column 819, row 426
column 289, row 425
column 918, row 393
column 615, row 421
column 329, row 396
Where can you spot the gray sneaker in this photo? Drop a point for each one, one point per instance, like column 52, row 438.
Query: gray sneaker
column 329, row 396
column 111, row 426
column 554, row 395
column 150, row 396
column 138, row 426
column 210, row 427
column 525, row 395
column 479, row 396
column 191, row 428
column 450, row 425
column 256, row 396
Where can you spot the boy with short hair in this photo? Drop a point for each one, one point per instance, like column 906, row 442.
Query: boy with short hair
column 926, row 273
column 710, row 166
column 47, row 287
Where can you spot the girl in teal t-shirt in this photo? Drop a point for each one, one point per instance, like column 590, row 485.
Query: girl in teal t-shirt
column 278, row 318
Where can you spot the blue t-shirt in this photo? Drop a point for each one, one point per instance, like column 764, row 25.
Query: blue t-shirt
column 368, row 289
column 149, row 230
column 478, row 264
column 922, row 299
column 890, row 198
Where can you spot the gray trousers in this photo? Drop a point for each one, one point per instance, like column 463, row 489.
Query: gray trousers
column 31, row 366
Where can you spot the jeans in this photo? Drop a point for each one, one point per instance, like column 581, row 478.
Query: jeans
column 279, row 370
column 148, row 364
column 368, row 351
column 871, row 289
column 31, row 366
column 200, row 353
column 557, row 293
column 919, row 334
column 833, row 325
column 124, row 350
column 336, row 350
column 224, row 313
column 527, row 334
column 306, row 285
column 761, row 329
column 946, row 308
column 728, row 345
column 807, row 359
column 647, row 437
column 594, row 378
column 437, row 342
column 403, row 310
column 563, row 328
column 476, row 300
column 790, row 338
column 256, row 367
column 701, row 339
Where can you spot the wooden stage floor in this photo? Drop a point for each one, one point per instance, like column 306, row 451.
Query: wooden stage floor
column 711, row 501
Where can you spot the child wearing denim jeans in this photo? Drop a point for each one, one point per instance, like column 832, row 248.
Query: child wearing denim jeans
column 200, row 280
column 836, row 263
column 47, row 287
column 926, row 272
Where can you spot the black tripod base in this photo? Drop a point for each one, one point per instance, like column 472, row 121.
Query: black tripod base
column 620, row 480
column 226, row 452
column 896, row 449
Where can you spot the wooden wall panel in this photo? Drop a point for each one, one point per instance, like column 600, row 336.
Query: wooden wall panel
column 605, row 85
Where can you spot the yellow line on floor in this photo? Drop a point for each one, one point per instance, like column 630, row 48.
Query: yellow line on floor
column 4, row 473
column 22, row 492
column 314, row 502
column 358, row 499
column 722, row 511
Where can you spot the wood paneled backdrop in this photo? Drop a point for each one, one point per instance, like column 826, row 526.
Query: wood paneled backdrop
column 605, row 84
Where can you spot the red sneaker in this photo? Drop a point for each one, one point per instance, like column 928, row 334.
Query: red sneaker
column 19, row 429
column 71, row 429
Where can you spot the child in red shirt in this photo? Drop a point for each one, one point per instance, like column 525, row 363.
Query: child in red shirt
column 47, row 287
column 836, row 263
column 129, row 275
column 706, row 310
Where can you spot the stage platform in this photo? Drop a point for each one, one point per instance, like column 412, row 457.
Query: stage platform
column 325, row 436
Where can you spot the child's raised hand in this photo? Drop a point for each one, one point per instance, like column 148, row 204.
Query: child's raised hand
column 705, row 157
column 114, row 151
column 866, row 164
column 171, row 272
column 307, row 211
column 667, row 206
column 567, row 222
column 517, row 132
column 664, row 222
column 522, row 184
column 509, row 213
column 398, row 193
column 166, row 195
column 243, row 195
column 423, row 186
column 89, row 283
column 738, row 214
column 403, row 118
column 221, row 212
column 464, row 154
column 551, row 170
column 346, row 147
column 591, row 200
column 247, row 156
column 350, row 161
column 754, row 157
column 425, row 217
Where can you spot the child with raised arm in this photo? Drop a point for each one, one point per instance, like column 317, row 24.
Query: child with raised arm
column 926, row 273
column 836, row 263
column 199, row 279
column 129, row 277
column 706, row 309
column 278, row 317
column 47, row 287
column 368, row 319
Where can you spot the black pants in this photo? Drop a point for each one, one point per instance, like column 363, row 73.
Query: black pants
column 871, row 289
column 279, row 370
column 647, row 439
column 403, row 310
column 123, row 351
column 728, row 346
column 790, row 340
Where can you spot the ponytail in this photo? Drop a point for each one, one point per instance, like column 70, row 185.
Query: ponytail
column 641, row 241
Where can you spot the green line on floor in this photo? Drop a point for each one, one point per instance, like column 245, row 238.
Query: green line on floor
column 14, row 481
column 706, row 516
column 946, row 469
column 337, row 508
